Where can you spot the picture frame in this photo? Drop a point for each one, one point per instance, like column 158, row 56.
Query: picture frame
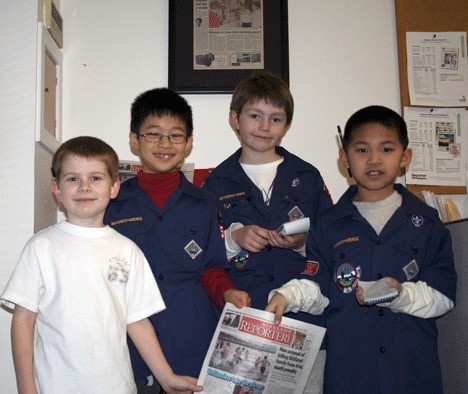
column 184, row 79
column 48, row 90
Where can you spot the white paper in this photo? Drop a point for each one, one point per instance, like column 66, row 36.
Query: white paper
column 439, row 141
column 294, row 227
column 249, row 352
column 437, row 68
column 377, row 291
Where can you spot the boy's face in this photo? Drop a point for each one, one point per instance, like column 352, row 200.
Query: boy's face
column 375, row 157
column 261, row 126
column 162, row 156
column 85, row 189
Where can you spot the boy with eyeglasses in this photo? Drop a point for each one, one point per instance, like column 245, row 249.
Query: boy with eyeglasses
column 175, row 224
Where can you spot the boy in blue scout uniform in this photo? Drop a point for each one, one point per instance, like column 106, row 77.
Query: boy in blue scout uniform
column 260, row 187
column 377, row 229
column 175, row 224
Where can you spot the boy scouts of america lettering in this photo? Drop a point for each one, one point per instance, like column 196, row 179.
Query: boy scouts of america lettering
column 126, row 220
column 119, row 270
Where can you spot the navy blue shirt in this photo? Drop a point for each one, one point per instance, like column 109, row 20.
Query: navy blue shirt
column 180, row 242
column 298, row 190
column 372, row 349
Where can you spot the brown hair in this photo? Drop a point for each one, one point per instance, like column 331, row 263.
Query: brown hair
column 263, row 85
column 89, row 147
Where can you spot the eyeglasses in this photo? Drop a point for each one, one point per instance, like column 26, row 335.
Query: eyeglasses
column 154, row 138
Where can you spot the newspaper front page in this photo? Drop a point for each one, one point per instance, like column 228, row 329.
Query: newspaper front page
column 250, row 354
column 228, row 35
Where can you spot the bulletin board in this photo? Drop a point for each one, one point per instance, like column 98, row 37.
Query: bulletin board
column 424, row 16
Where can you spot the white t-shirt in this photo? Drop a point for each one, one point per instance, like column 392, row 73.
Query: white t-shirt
column 86, row 285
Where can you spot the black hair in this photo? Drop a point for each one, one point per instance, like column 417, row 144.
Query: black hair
column 160, row 102
column 376, row 114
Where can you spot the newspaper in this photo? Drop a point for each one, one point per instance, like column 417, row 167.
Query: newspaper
column 250, row 354
column 227, row 35
column 438, row 138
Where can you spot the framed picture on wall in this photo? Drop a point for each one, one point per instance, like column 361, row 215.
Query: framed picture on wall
column 213, row 44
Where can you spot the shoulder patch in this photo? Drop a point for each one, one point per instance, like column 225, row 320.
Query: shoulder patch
column 311, row 268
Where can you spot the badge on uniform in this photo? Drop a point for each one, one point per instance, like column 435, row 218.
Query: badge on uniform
column 311, row 268
column 295, row 182
column 241, row 259
column 295, row 213
column 347, row 277
column 411, row 269
column 417, row 220
column 192, row 249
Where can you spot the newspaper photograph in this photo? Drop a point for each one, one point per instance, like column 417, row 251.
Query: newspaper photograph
column 228, row 34
column 439, row 141
column 250, row 354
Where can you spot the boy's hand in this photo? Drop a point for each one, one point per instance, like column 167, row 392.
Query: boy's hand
column 295, row 241
column 237, row 297
column 390, row 281
column 252, row 238
column 277, row 305
column 179, row 384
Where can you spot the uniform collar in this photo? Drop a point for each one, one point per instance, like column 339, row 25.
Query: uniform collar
column 231, row 168
column 410, row 205
column 130, row 189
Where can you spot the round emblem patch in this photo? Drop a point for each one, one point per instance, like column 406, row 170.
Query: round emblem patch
column 346, row 277
column 417, row 220
column 241, row 259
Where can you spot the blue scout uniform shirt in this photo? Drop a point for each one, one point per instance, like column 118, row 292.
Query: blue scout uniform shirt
column 180, row 242
column 372, row 349
column 298, row 191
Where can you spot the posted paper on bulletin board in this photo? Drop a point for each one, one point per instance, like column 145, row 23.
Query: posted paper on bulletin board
column 437, row 69
column 439, row 141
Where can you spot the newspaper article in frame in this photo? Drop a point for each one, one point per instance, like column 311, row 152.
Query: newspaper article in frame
column 250, row 354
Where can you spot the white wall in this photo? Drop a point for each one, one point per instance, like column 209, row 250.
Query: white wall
column 18, row 26
column 343, row 56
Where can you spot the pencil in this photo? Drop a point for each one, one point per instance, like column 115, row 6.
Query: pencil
column 340, row 134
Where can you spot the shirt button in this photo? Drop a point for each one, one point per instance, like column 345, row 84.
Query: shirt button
column 160, row 276
column 271, row 278
column 378, row 242
column 160, row 218
column 414, row 250
column 382, row 350
column 295, row 198
column 379, row 276
column 249, row 198
column 268, row 248
column 381, row 312
column 193, row 231
column 342, row 255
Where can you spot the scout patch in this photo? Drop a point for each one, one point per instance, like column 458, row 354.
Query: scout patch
column 295, row 182
column 192, row 249
column 241, row 259
column 346, row 277
column 417, row 220
column 311, row 268
column 411, row 269
column 295, row 213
